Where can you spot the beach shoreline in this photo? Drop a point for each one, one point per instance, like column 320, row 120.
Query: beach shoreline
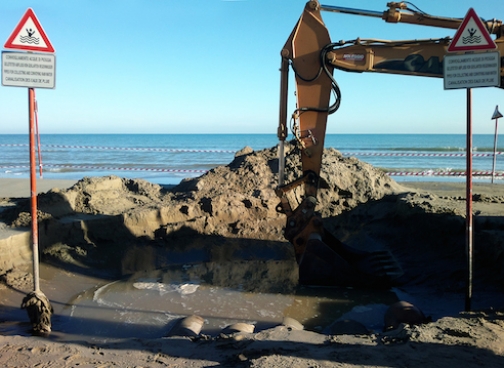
column 20, row 187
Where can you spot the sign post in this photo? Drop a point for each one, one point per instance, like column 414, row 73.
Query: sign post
column 33, row 187
column 469, row 200
column 474, row 67
column 31, row 70
column 496, row 115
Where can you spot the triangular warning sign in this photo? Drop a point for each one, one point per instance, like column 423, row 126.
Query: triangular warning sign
column 471, row 35
column 29, row 35
column 496, row 113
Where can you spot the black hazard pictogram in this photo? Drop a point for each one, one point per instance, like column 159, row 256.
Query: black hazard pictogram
column 472, row 38
column 30, row 38
column 471, row 35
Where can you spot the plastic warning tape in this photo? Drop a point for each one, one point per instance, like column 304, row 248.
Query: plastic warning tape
column 231, row 151
column 418, row 154
column 88, row 167
column 120, row 148
column 441, row 173
column 200, row 171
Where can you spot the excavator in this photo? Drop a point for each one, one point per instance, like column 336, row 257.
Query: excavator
column 309, row 51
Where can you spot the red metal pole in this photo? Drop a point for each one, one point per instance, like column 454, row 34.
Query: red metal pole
column 33, row 187
column 37, row 132
column 469, row 219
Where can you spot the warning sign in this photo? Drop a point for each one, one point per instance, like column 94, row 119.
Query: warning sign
column 472, row 70
column 29, row 35
column 471, row 35
column 32, row 70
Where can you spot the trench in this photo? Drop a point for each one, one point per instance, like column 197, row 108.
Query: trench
column 148, row 304
column 105, row 283
column 143, row 290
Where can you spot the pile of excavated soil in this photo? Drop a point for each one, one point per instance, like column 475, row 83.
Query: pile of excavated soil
column 236, row 201
column 101, row 217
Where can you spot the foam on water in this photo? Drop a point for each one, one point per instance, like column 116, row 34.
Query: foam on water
column 183, row 289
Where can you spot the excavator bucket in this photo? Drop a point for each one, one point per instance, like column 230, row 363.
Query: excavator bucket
column 329, row 262
column 326, row 261
column 322, row 258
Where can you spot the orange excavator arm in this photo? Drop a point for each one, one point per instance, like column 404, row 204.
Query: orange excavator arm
column 312, row 55
column 406, row 57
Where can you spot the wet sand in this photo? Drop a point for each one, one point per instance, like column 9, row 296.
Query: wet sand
column 20, row 188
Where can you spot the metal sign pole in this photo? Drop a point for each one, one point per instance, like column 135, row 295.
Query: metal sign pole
column 37, row 132
column 469, row 233
column 496, row 115
column 495, row 149
column 33, row 188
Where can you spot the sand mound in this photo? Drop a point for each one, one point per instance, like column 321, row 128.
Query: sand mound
column 237, row 200
column 227, row 215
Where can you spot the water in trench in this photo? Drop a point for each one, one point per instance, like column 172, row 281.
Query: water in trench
column 147, row 307
column 147, row 304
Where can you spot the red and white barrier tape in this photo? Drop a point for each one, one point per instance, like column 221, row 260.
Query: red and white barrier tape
column 121, row 148
column 418, row 154
column 391, row 173
column 231, row 151
column 87, row 167
column 441, row 173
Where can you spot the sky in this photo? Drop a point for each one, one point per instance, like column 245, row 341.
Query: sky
column 212, row 66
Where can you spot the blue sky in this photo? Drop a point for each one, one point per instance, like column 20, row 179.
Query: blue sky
column 212, row 66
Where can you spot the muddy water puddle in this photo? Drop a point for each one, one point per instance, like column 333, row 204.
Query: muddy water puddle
column 148, row 305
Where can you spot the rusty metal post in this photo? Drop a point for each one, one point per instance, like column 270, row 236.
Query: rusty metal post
column 33, row 189
column 469, row 219
column 37, row 132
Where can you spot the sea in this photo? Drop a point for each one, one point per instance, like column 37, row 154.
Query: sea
column 169, row 158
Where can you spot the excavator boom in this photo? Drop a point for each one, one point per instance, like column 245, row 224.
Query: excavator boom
column 407, row 57
column 311, row 54
column 399, row 12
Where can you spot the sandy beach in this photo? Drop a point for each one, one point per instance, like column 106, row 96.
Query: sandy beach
column 21, row 188
column 111, row 227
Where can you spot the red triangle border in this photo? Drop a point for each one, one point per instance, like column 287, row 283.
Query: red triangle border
column 471, row 14
column 29, row 14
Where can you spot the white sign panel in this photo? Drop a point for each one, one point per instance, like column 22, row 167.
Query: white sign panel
column 32, row 70
column 472, row 70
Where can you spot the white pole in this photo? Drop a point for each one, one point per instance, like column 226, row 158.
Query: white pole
column 496, row 115
column 495, row 149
